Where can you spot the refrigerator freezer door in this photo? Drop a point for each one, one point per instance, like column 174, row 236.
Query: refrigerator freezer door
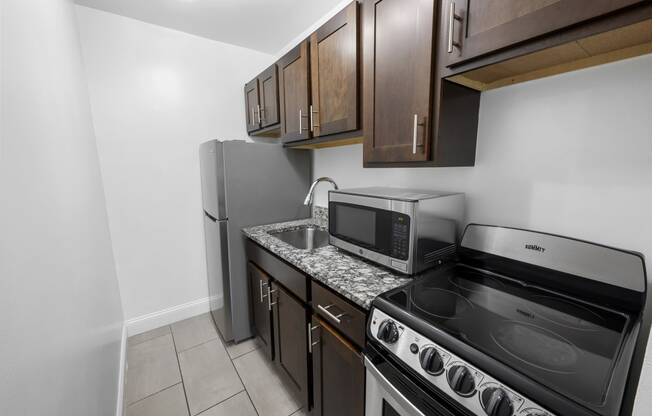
column 265, row 184
column 211, row 162
column 217, row 265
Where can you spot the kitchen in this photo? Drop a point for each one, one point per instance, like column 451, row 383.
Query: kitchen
column 105, row 106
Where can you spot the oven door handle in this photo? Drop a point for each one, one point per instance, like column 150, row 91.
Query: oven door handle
column 391, row 390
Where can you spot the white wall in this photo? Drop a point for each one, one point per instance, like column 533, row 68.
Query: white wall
column 156, row 94
column 571, row 155
column 60, row 312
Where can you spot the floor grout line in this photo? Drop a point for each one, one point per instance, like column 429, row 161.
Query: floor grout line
column 185, row 393
column 153, row 394
column 148, row 340
column 198, row 345
column 256, row 348
column 222, row 401
column 141, row 342
column 243, row 384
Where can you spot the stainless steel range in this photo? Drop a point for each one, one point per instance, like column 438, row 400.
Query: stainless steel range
column 524, row 324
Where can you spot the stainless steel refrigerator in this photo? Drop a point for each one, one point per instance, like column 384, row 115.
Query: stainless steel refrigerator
column 244, row 184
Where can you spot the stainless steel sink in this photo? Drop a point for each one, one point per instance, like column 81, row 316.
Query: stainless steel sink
column 306, row 238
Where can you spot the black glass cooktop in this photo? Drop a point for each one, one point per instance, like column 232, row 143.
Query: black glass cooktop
column 562, row 343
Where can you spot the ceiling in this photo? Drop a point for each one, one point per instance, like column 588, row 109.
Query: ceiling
column 264, row 25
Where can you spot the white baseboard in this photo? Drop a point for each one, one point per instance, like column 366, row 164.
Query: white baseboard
column 119, row 407
column 167, row 316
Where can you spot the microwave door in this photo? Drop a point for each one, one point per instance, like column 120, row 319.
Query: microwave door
column 366, row 227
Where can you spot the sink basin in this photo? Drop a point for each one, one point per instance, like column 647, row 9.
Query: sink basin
column 307, row 238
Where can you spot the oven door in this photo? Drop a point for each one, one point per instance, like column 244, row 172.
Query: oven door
column 390, row 391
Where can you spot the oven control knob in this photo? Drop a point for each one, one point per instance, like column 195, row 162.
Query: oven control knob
column 431, row 361
column 495, row 402
column 461, row 380
column 388, row 331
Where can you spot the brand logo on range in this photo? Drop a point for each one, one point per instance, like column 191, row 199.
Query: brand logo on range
column 535, row 247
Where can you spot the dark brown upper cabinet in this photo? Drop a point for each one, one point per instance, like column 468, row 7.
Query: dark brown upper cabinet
column 398, row 38
column 338, row 373
column 261, row 101
column 479, row 27
column 319, row 85
column 411, row 117
column 268, row 95
column 259, row 284
column 252, row 105
column 294, row 90
column 398, row 48
column 334, row 74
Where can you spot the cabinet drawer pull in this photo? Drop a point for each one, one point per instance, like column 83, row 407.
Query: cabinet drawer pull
column 326, row 311
column 258, row 109
column 310, row 343
column 452, row 17
column 269, row 298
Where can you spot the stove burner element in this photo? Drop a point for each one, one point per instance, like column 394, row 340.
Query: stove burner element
column 441, row 303
column 566, row 313
column 475, row 282
column 537, row 347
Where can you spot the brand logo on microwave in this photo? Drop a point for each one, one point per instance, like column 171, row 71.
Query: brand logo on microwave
column 535, row 247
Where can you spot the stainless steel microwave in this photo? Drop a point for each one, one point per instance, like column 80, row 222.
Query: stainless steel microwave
column 407, row 230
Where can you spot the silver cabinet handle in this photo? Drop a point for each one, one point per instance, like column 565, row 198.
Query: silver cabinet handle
column 258, row 108
column 414, row 134
column 262, row 295
column 452, row 17
column 326, row 311
column 301, row 117
column 269, row 298
column 312, row 121
column 310, row 343
column 261, row 112
column 253, row 118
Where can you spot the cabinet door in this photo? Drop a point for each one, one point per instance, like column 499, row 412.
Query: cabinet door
column 294, row 93
column 253, row 106
column 398, row 59
column 261, row 309
column 338, row 374
column 268, row 88
column 478, row 27
column 291, row 335
column 334, row 74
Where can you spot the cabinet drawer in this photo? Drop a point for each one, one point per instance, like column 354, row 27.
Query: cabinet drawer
column 338, row 312
column 293, row 280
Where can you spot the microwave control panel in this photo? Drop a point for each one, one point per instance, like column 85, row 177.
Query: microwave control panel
column 400, row 236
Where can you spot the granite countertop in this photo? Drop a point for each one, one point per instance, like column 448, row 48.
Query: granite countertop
column 350, row 276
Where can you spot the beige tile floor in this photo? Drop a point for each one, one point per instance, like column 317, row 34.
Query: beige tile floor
column 185, row 369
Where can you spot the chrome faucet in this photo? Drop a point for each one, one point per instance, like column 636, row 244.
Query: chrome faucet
column 308, row 199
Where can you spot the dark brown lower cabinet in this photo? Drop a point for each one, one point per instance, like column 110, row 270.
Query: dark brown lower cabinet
column 291, row 337
column 338, row 375
column 259, row 282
